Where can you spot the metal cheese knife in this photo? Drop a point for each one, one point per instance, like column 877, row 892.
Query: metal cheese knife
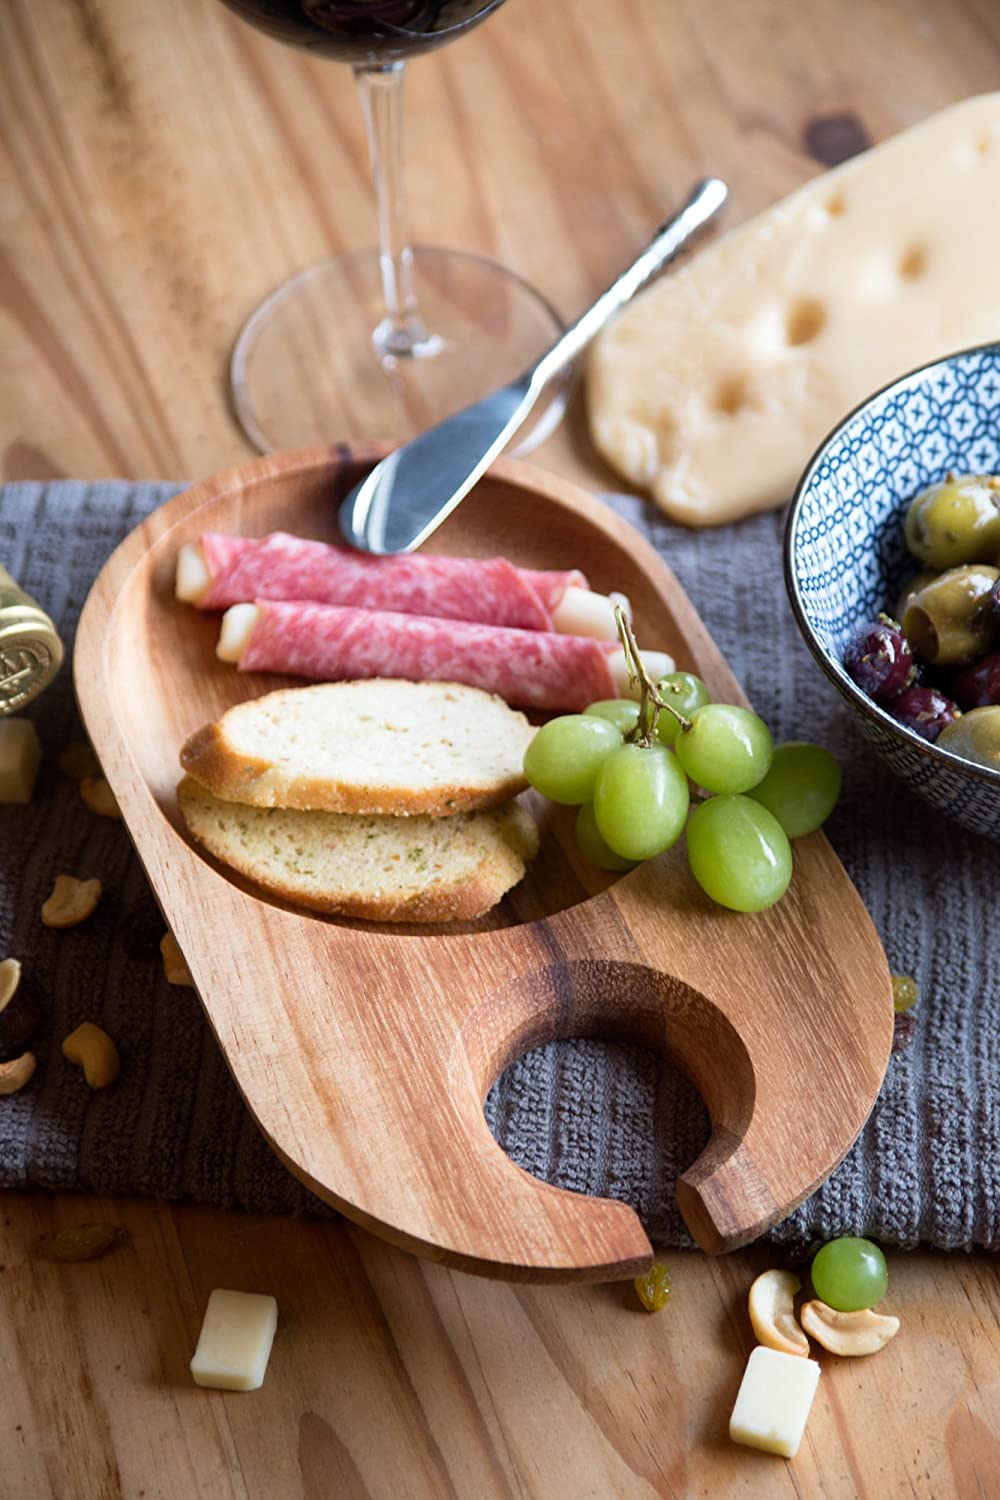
column 409, row 494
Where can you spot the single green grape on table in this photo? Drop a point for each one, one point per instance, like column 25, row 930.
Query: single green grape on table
column 566, row 754
column 685, row 692
column 801, row 788
column 593, row 847
column 727, row 749
column 641, row 801
column 850, row 1274
column 739, row 853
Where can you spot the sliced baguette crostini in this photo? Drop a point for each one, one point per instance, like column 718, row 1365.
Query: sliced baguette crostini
column 383, row 869
column 382, row 746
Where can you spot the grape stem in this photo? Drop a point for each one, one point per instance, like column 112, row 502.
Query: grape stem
column 651, row 700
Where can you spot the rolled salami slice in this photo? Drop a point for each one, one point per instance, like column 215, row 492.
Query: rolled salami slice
column 530, row 668
column 232, row 570
column 550, row 586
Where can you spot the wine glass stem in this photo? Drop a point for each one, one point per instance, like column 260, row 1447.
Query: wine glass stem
column 401, row 331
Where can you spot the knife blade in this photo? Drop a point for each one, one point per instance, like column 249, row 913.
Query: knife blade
column 406, row 497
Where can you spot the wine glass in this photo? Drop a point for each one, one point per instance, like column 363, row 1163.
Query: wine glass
column 382, row 343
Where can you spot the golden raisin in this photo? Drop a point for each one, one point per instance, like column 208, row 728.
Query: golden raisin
column 85, row 1241
column 653, row 1287
column 904, row 992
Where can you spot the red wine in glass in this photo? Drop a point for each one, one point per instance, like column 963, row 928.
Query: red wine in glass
column 365, row 32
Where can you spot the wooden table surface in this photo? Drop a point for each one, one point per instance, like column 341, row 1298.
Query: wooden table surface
column 162, row 169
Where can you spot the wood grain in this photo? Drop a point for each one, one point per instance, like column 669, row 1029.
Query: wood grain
column 160, row 171
column 395, row 1377
column 366, row 1055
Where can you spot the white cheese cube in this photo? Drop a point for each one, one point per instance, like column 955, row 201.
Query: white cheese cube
column 20, row 754
column 235, row 1341
column 774, row 1401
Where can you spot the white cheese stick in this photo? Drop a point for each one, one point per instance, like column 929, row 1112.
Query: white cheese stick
column 583, row 612
column 20, row 753
column 193, row 578
column 236, row 629
column 235, row 1341
column 714, row 387
column 774, row 1401
column 657, row 664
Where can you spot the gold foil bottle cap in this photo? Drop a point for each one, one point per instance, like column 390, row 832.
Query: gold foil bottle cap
column 31, row 652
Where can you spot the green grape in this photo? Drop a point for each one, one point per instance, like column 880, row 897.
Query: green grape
column 801, row 788
column 593, row 847
column 621, row 712
column 566, row 754
column 850, row 1274
column 641, row 801
column 739, row 853
column 685, row 692
column 727, row 749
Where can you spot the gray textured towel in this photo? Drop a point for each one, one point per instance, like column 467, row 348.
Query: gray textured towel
column 584, row 1115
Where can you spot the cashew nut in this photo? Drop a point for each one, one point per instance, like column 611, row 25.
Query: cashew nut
column 848, row 1333
column 20, row 1011
column 10, row 978
column 772, row 1313
column 174, row 967
column 14, row 1075
column 78, row 760
column 99, row 797
column 71, row 902
column 94, row 1051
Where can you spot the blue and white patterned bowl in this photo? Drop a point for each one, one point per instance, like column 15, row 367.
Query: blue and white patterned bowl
column 845, row 557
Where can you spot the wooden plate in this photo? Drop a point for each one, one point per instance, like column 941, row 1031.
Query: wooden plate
column 365, row 1052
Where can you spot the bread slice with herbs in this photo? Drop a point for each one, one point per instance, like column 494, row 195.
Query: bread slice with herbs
column 385, row 869
column 378, row 746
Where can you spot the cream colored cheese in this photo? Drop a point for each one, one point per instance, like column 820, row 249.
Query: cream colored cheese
column 235, row 1341
column 714, row 386
column 774, row 1401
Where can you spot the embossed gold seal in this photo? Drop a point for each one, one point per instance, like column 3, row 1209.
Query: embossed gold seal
column 31, row 652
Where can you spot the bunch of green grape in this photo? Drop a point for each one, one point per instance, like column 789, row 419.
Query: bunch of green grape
column 633, row 785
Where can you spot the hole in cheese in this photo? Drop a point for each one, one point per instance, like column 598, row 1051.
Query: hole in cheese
column 731, row 395
column 804, row 320
column 835, row 205
column 913, row 262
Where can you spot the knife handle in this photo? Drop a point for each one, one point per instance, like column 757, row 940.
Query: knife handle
column 670, row 239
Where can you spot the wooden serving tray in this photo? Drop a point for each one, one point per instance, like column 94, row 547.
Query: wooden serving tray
column 365, row 1052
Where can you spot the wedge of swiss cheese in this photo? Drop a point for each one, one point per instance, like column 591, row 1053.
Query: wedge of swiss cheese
column 713, row 388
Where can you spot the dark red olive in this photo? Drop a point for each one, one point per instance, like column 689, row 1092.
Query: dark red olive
column 880, row 661
column 924, row 710
column 979, row 685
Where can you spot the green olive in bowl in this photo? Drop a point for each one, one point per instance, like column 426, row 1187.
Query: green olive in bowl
column 956, row 521
column 910, row 590
column 975, row 736
column 951, row 621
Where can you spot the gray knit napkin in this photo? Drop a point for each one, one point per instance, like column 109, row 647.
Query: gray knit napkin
column 589, row 1116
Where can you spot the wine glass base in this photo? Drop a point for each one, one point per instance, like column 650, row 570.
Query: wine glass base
column 306, row 368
